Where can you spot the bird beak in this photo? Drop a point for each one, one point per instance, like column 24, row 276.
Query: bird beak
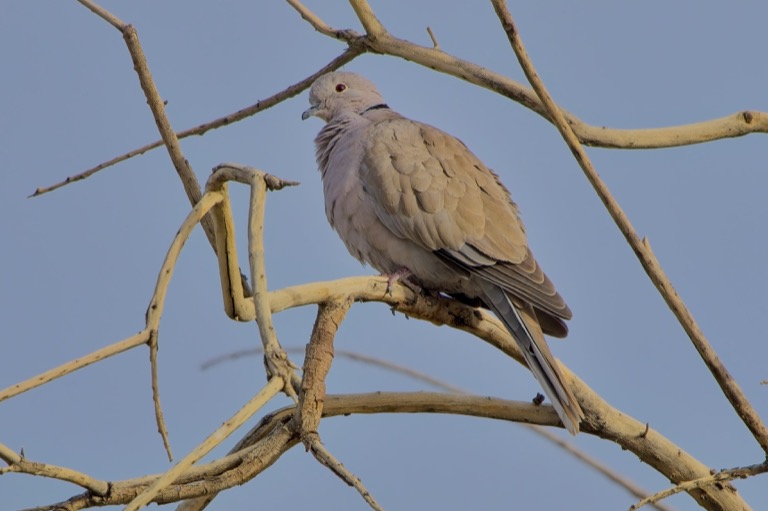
column 309, row 112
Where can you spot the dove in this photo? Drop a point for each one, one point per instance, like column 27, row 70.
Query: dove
column 416, row 204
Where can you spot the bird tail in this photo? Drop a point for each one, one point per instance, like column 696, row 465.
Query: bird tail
column 524, row 327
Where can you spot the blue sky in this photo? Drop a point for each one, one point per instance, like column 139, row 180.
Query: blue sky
column 79, row 264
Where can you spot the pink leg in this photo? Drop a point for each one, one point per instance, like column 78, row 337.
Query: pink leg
column 401, row 276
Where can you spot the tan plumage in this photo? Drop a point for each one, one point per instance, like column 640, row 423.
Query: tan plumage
column 405, row 195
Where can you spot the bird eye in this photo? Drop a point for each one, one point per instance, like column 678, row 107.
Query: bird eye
column 340, row 87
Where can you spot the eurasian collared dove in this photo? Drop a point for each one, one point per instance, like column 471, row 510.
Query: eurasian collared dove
column 414, row 202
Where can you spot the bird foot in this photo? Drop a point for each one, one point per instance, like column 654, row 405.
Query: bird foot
column 401, row 276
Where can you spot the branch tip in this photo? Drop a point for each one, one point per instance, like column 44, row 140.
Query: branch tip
column 435, row 44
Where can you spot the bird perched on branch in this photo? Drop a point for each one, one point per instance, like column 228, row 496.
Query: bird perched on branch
column 415, row 203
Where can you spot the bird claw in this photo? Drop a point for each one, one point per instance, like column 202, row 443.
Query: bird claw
column 401, row 276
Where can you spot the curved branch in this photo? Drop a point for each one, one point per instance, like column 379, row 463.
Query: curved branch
column 273, row 436
column 652, row 448
column 734, row 125
column 236, row 304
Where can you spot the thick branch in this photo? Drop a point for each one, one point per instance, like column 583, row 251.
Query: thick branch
column 317, row 363
column 371, row 23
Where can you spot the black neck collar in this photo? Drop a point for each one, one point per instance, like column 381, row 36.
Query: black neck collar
column 375, row 107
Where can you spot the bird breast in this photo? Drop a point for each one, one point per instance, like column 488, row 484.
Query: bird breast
column 352, row 213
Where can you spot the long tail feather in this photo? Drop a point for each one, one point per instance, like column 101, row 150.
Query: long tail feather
column 522, row 324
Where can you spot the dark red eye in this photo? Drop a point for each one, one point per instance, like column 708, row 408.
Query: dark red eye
column 340, row 87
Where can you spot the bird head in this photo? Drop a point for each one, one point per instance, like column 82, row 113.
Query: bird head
column 340, row 92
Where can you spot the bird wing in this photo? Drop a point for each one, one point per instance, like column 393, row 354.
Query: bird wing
column 428, row 187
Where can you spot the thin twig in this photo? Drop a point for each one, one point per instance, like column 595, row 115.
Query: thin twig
column 723, row 475
column 73, row 365
column 351, row 355
column 435, row 44
column 231, row 118
column 318, row 23
column 159, row 418
column 269, row 391
column 641, row 247
column 157, row 302
column 596, row 465
column 324, row 456
column 105, row 15
column 25, row 466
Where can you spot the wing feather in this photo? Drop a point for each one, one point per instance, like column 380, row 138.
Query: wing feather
column 431, row 189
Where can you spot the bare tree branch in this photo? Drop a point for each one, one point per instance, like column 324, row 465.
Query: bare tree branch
column 735, row 125
column 317, row 363
column 72, row 366
column 641, row 247
column 231, row 118
column 162, row 428
column 275, row 358
column 723, row 475
column 105, row 15
column 22, row 465
column 281, row 430
column 273, row 386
